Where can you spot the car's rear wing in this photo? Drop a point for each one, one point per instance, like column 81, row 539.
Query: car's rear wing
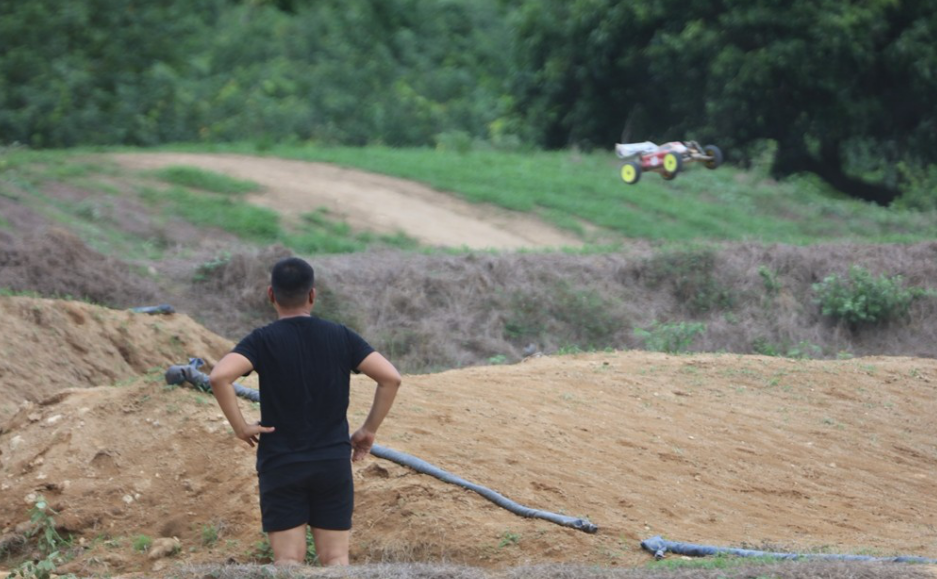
column 633, row 149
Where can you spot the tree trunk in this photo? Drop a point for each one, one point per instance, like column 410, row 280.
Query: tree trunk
column 793, row 159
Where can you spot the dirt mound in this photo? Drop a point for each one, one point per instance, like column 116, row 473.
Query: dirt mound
column 715, row 449
column 371, row 202
column 49, row 345
column 56, row 263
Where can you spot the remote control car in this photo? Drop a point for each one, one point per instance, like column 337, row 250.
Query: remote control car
column 667, row 159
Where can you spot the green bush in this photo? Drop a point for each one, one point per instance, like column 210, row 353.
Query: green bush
column 863, row 299
column 673, row 338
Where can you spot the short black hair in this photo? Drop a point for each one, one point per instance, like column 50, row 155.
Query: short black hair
column 292, row 279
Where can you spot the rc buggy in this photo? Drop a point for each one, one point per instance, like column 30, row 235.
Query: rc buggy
column 667, row 159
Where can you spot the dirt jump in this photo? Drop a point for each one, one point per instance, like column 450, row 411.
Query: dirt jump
column 370, row 202
column 732, row 450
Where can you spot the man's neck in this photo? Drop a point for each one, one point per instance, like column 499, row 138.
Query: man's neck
column 282, row 315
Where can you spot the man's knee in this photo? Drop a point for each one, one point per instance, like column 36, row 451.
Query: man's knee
column 331, row 546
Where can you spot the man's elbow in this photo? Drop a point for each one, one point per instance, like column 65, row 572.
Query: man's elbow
column 393, row 382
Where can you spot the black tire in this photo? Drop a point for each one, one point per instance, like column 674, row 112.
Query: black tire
column 668, row 176
column 716, row 154
column 630, row 172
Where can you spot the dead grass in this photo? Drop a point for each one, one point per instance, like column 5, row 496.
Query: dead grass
column 429, row 312
column 56, row 263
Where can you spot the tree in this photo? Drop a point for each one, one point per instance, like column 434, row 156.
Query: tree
column 835, row 84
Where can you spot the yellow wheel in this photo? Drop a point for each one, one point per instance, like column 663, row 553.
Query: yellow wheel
column 672, row 163
column 631, row 173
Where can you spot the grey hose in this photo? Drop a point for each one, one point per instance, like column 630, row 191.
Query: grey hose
column 660, row 547
column 190, row 373
column 162, row 309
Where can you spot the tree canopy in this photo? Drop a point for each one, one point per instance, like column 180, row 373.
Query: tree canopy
column 844, row 89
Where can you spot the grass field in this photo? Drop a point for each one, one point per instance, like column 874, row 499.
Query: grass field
column 569, row 188
column 579, row 192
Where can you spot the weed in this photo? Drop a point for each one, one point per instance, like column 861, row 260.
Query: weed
column 862, row 299
column 209, row 535
column 769, row 278
column 142, row 543
column 801, row 350
column 509, row 538
column 205, row 270
column 263, row 552
column 673, row 338
column 497, row 360
column 41, row 515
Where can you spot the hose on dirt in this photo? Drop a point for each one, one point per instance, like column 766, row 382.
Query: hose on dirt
column 660, row 547
column 189, row 373
column 160, row 310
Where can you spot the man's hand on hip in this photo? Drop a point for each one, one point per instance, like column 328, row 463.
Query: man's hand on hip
column 361, row 443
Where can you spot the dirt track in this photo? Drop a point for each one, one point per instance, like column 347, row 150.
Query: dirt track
column 370, row 202
column 720, row 449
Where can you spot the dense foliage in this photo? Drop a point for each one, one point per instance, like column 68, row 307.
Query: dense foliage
column 843, row 89
column 399, row 72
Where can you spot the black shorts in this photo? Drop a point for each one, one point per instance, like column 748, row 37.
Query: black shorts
column 320, row 494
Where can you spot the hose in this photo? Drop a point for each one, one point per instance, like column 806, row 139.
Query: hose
column 659, row 547
column 160, row 310
column 190, row 373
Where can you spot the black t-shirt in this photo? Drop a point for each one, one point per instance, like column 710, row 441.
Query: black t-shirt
column 305, row 365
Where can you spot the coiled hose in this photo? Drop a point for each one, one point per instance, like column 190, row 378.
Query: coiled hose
column 190, row 373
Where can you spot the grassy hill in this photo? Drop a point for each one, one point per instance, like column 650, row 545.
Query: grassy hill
column 724, row 260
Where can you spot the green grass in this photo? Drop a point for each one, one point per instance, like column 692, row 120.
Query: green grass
column 572, row 190
column 250, row 222
column 203, row 198
column 568, row 188
column 196, row 178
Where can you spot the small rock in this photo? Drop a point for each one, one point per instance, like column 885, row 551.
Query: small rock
column 127, row 499
column 377, row 471
column 164, row 547
column 53, row 419
column 15, row 442
column 33, row 417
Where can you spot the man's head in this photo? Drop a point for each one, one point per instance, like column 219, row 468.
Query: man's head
column 291, row 282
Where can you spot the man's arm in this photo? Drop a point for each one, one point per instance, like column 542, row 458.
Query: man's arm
column 222, row 378
column 388, row 381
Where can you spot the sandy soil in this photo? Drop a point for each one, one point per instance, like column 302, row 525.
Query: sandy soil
column 370, row 202
column 717, row 449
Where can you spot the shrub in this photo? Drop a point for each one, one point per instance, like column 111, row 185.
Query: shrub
column 673, row 338
column 862, row 299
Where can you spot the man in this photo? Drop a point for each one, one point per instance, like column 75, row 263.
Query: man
column 304, row 454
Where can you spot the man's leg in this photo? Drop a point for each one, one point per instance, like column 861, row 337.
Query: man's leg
column 289, row 546
column 331, row 546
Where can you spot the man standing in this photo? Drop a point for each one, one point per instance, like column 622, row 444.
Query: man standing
column 304, row 364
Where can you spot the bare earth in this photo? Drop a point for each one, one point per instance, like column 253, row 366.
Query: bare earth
column 717, row 449
column 370, row 202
